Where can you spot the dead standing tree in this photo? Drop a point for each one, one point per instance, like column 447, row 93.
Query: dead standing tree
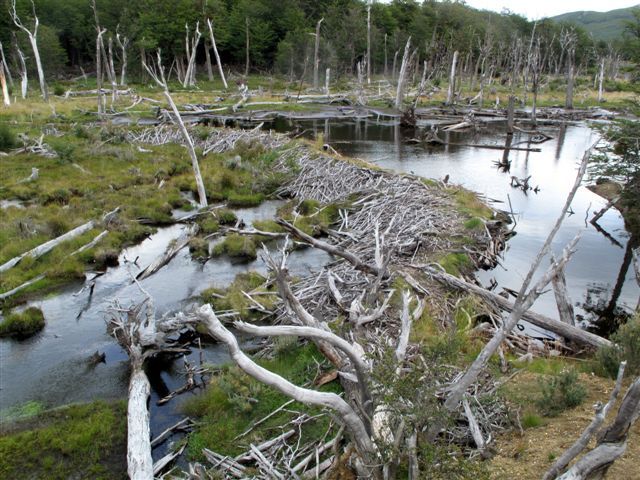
column 316, row 54
column 157, row 74
column 402, row 76
column 217, row 55
column 192, row 47
column 123, row 43
column 33, row 39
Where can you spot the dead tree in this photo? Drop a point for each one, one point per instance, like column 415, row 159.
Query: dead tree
column 246, row 30
column 600, row 81
column 111, row 71
column 316, row 54
column 215, row 52
column 352, row 421
column 24, row 80
column 3, row 85
column 5, row 65
column 568, row 42
column 33, row 39
column 525, row 299
column 207, row 56
column 402, row 76
column 189, row 76
column 123, row 43
column 452, row 79
column 157, row 75
column 369, row 42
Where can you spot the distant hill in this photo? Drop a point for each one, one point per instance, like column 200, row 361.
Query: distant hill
column 603, row 25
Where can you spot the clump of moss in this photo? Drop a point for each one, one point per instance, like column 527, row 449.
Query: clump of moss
column 244, row 200
column 199, row 248
column 207, row 224
column 469, row 204
column 224, row 216
column 22, row 324
column 237, row 246
column 268, row 226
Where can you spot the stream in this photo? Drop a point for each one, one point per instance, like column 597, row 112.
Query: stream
column 52, row 366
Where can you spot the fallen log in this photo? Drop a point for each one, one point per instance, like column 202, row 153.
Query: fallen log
column 565, row 330
column 46, row 247
column 168, row 255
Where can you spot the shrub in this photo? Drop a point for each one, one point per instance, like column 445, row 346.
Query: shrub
column 58, row 90
column 626, row 347
column 560, row 393
column 23, row 324
column 7, row 138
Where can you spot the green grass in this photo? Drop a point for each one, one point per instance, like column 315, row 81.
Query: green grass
column 531, row 420
column 456, row 263
column 469, row 204
column 22, row 324
column 232, row 298
column 79, row 441
column 242, row 247
column 233, row 401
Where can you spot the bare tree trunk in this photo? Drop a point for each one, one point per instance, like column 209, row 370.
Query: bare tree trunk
column 189, row 76
column 349, row 417
column 34, row 44
column 510, row 108
column 112, row 73
column 6, row 65
column 369, row 43
column 3, row 84
column 402, row 75
column 316, row 55
column 139, row 460
column 215, row 52
column 24, row 81
column 452, row 79
column 208, row 60
column 600, row 81
column 123, row 43
column 246, row 65
column 99, row 68
column 327, row 80
column 159, row 78
column 565, row 308
column 395, row 61
column 386, row 71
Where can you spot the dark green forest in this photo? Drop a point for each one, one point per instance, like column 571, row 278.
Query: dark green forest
column 281, row 33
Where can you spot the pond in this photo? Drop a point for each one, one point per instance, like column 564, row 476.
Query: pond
column 599, row 274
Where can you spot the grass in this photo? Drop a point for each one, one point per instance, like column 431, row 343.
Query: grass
column 232, row 298
column 22, row 324
column 468, row 203
column 79, row 441
column 241, row 247
column 531, row 420
column 233, row 401
column 455, row 263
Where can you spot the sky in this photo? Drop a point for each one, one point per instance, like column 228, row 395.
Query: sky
column 536, row 9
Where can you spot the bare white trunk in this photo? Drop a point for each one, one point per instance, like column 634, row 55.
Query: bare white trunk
column 215, row 52
column 34, row 44
column 123, row 43
column 3, row 84
column 327, row 80
column 207, row 55
column 369, row 43
column 158, row 77
column 452, row 79
column 24, row 80
column 600, row 81
column 402, row 75
column 139, row 460
column 347, row 414
column 189, row 79
column 563, row 301
column 316, row 54
column 6, row 65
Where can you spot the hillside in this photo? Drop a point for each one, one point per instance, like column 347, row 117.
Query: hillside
column 603, row 25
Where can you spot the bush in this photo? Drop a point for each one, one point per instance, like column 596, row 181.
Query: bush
column 626, row 347
column 58, row 90
column 560, row 393
column 8, row 139
column 22, row 324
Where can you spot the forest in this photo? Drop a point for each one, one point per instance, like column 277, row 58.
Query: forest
column 334, row 239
